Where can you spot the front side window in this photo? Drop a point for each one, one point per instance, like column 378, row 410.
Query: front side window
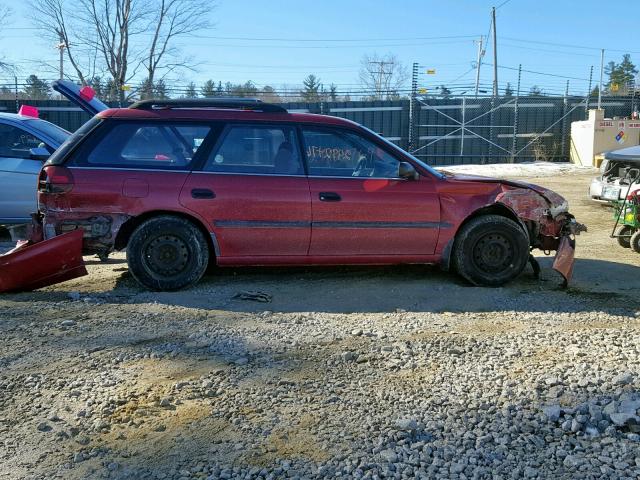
column 149, row 145
column 334, row 153
column 267, row 150
column 17, row 143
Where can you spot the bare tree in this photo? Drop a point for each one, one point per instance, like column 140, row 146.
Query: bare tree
column 60, row 26
column 5, row 12
column 383, row 75
column 116, row 23
column 173, row 19
column 118, row 38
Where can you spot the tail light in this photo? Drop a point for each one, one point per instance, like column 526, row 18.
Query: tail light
column 55, row 179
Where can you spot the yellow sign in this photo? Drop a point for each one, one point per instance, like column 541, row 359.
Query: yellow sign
column 431, row 71
column 125, row 88
column 422, row 90
column 615, row 87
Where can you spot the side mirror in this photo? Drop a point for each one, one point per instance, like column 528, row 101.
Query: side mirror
column 39, row 153
column 406, row 170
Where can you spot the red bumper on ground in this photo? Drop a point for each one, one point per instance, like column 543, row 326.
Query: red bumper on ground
column 565, row 258
column 44, row 263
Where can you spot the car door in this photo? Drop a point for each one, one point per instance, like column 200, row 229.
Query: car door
column 18, row 174
column 360, row 206
column 253, row 193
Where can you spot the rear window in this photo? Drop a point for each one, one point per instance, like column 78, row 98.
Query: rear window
column 57, row 134
column 147, row 145
column 60, row 155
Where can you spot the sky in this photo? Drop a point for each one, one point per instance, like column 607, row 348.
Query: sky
column 279, row 42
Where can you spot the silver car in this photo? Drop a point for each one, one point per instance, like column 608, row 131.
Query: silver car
column 25, row 143
column 619, row 174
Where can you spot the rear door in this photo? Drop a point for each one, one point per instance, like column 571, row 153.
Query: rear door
column 18, row 173
column 360, row 206
column 253, row 193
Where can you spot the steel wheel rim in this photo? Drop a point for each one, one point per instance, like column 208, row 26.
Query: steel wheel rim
column 166, row 255
column 493, row 253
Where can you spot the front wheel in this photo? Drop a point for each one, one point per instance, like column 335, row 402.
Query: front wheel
column 634, row 243
column 167, row 253
column 624, row 236
column 490, row 250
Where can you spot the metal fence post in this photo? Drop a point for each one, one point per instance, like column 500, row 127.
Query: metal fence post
column 412, row 105
column 462, row 125
column 514, row 139
column 15, row 78
column 586, row 107
column 564, row 122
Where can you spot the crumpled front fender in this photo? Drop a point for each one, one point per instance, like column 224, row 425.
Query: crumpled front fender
column 35, row 265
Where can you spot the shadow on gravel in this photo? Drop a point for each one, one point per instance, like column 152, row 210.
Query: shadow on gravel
column 596, row 285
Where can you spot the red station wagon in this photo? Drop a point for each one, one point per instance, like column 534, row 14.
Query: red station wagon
column 181, row 183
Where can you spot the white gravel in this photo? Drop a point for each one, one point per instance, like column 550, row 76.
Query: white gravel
column 102, row 388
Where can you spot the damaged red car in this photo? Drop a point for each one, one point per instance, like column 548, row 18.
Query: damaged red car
column 180, row 184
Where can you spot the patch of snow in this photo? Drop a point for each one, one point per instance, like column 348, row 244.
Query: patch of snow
column 530, row 169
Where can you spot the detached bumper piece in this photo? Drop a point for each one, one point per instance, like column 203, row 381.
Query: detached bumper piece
column 36, row 265
column 565, row 258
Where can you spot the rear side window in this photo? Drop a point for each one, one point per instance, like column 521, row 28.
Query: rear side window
column 148, row 145
column 268, row 150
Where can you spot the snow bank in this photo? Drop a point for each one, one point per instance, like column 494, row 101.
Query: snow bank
column 531, row 169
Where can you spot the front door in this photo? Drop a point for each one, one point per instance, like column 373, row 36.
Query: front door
column 253, row 193
column 360, row 206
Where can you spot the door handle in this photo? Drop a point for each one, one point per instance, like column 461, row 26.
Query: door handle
column 202, row 193
column 329, row 197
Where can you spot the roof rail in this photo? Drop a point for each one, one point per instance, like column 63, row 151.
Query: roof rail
column 252, row 104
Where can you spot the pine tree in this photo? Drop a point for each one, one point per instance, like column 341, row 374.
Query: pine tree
column 191, row 92
column 311, row 91
column 508, row 91
column 535, row 91
column 160, row 90
column 333, row 92
column 621, row 76
column 36, row 89
column 208, row 90
column 145, row 89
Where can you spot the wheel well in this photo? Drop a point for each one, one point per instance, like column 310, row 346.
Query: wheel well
column 494, row 209
column 127, row 228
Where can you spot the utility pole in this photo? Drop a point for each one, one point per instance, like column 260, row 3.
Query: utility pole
column 495, row 52
column 480, row 55
column 601, row 75
column 61, row 47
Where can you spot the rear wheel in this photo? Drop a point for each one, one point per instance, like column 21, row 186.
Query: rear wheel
column 490, row 250
column 624, row 239
column 635, row 242
column 167, row 253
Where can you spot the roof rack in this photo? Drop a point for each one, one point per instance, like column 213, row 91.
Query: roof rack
column 252, row 104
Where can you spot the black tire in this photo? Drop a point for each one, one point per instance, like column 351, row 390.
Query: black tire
column 625, row 242
column 167, row 253
column 635, row 242
column 490, row 250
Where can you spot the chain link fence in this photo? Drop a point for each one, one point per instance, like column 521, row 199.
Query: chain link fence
column 441, row 131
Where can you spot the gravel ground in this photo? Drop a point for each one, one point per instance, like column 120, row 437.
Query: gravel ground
column 402, row 372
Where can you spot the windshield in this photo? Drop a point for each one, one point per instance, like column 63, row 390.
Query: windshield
column 54, row 132
column 398, row 149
